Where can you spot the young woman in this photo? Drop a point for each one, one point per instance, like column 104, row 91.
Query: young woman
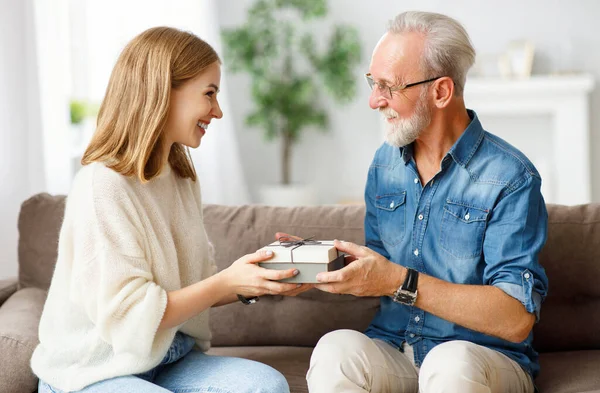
column 127, row 310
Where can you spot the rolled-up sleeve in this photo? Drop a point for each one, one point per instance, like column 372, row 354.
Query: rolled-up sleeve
column 515, row 235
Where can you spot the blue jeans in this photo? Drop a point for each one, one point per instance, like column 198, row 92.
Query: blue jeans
column 184, row 370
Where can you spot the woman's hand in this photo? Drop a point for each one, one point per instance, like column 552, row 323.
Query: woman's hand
column 246, row 278
column 243, row 277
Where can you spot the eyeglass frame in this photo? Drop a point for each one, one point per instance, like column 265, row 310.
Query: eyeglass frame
column 372, row 82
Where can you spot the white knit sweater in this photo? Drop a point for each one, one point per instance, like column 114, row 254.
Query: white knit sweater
column 122, row 246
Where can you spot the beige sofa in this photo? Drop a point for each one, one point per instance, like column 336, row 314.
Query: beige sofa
column 282, row 331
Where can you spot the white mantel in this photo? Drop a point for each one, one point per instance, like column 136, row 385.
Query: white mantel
column 565, row 100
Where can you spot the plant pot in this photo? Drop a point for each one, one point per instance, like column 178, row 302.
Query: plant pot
column 287, row 195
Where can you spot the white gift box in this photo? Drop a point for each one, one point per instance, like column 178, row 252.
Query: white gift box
column 310, row 257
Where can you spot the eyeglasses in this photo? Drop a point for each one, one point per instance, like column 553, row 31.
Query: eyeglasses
column 386, row 91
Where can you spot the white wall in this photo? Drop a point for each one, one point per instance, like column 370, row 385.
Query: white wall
column 563, row 32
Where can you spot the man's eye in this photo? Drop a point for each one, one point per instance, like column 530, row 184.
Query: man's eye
column 210, row 94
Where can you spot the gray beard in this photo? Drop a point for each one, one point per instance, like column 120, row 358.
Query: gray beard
column 402, row 132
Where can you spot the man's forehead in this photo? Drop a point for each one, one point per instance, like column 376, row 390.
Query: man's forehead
column 395, row 54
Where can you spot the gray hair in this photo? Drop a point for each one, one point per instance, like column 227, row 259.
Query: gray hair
column 448, row 49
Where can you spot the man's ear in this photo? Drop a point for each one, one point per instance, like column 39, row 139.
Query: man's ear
column 443, row 90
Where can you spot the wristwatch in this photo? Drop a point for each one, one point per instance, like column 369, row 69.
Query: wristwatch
column 248, row 300
column 407, row 293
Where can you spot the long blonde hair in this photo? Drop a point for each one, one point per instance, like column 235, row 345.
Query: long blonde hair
column 129, row 137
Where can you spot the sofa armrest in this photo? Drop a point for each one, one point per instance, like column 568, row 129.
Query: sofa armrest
column 7, row 288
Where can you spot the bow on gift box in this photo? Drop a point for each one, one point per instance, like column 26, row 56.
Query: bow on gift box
column 288, row 242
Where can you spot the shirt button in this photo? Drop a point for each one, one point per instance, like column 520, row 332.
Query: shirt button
column 412, row 335
column 420, row 217
column 416, row 252
column 392, row 205
column 417, row 319
column 467, row 216
column 527, row 275
column 416, row 180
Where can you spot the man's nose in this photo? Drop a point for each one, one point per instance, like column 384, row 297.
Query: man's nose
column 376, row 101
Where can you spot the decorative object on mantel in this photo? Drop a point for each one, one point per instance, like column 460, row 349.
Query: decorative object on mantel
column 488, row 65
column 288, row 73
column 520, row 58
column 515, row 62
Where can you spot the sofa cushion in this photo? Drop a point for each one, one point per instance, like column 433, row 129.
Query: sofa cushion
column 292, row 362
column 19, row 320
column 570, row 317
column 7, row 288
column 299, row 321
column 40, row 220
column 569, row 372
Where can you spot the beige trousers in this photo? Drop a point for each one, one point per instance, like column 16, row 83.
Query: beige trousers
column 347, row 361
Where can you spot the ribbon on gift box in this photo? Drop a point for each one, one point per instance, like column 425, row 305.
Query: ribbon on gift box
column 295, row 243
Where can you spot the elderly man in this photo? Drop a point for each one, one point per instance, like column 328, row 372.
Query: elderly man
column 454, row 224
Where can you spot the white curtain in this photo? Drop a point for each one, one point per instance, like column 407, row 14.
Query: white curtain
column 112, row 23
column 218, row 159
column 21, row 138
column 53, row 49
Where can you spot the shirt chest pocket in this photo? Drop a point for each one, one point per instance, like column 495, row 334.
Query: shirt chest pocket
column 463, row 229
column 391, row 217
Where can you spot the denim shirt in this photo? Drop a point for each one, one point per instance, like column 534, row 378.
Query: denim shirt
column 481, row 220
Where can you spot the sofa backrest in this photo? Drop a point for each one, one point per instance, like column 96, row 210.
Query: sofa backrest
column 302, row 320
column 571, row 257
column 570, row 317
column 39, row 225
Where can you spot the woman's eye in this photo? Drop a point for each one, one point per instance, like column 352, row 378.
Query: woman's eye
column 210, row 94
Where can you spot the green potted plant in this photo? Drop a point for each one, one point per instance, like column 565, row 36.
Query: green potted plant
column 81, row 112
column 288, row 72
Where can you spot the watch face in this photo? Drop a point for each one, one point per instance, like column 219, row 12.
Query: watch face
column 405, row 297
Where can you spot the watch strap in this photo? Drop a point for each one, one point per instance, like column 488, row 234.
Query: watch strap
column 248, row 300
column 411, row 280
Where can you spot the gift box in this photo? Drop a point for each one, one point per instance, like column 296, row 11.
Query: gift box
column 309, row 256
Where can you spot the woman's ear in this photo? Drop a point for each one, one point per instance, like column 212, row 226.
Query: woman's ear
column 443, row 90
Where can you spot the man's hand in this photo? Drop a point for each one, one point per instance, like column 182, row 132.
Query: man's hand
column 369, row 274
